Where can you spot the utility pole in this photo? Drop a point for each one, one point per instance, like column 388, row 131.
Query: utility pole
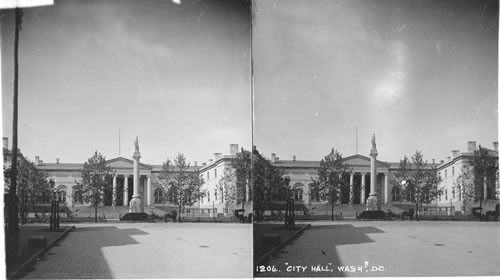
column 12, row 234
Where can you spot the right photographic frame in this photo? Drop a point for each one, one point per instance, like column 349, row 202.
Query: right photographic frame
column 375, row 138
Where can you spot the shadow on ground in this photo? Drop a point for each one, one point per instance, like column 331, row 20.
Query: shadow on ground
column 90, row 263
column 314, row 249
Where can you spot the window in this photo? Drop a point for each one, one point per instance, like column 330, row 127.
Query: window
column 459, row 190
column 208, row 175
column 158, row 195
column 446, row 194
column 215, row 173
column 61, row 196
column 297, row 194
column 77, row 197
column 453, row 192
column 453, row 171
column 208, row 196
column 215, row 193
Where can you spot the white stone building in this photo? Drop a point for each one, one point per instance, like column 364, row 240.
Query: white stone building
column 450, row 170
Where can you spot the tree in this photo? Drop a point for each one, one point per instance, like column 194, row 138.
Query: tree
column 268, row 181
column 97, row 179
column 485, row 168
column 242, row 165
column 180, row 183
column 227, row 188
column 465, row 186
column 419, row 182
column 33, row 186
column 333, row 175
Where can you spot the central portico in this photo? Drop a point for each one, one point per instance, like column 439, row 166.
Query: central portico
column 125, row 182
column 361, row 183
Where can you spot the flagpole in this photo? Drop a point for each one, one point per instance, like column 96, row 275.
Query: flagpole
column 356, row 139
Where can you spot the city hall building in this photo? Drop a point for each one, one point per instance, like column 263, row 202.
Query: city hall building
column 300, row 172
column 387, row 187
column 66, row 176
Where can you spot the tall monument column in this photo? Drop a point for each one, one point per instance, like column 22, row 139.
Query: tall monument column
column 135, row 203
column 363, row 187
column 372, row 201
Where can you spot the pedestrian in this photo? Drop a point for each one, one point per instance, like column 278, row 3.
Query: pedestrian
column 174, row 216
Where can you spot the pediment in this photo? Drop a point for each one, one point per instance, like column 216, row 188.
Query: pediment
column 359, row 160
column 125, row 163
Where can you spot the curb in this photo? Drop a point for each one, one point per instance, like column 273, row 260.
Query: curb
column 264, row 258
column 39, row 253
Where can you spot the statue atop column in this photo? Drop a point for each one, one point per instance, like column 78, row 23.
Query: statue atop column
column 136, row 204
column 374, row 145
column 136, row 144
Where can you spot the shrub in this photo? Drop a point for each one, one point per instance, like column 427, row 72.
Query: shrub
column 372, row 215
column 135, row 217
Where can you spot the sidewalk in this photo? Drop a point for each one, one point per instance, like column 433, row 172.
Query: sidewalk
column 29, row 230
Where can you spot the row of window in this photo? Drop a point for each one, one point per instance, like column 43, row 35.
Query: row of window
column 446, row 172
column 208, row 174
column 453, row 194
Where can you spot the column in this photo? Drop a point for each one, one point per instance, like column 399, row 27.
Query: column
column 114, row 190
column 149, row 191
column 363, row 188
column 351, row 188
column 137, row 178
column 386, row 188
column 125, row 191
column 373, row 202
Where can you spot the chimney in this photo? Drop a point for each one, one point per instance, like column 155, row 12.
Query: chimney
column 210, row 161
column 217, row 156
column 448, row 158
column 433, row 161
column 5, row 143
column 195, row 163
column 455, row 153
column 441, row 161
column 495, row 146
column 37, row 160
column 273, row 157
column 204, row 164
column 294, row 157
column 233, row 149
column 57, row 160
column 471, row 146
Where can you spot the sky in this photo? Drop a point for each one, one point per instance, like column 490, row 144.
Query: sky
column 96, row 74
column 420, row 75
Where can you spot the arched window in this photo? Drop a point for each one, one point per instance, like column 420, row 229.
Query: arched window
column 77, row 196
column 395, row 193
column 158, row 196
column 298, row 191
column 61, row 194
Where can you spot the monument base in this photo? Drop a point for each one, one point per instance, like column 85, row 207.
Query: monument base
column 372, row 203
column 136, row 205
